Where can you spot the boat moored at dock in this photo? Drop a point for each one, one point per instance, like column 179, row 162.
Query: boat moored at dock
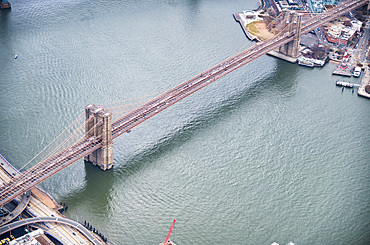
column 304, row 61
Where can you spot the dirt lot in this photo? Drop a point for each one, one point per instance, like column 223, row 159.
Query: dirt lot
column 259, row 29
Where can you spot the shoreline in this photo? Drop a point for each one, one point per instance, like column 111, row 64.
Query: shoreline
column 42, row 195
column 45, row 198
column 243, row 21
column 365, row 82
column 43, row 206
column 238, row 18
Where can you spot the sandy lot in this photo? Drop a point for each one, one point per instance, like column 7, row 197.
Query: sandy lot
column 259, row 29
column 44, row 198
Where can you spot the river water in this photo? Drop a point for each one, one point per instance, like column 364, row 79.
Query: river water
column 271, row 152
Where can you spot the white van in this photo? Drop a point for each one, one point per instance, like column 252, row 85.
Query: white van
column 357, row 72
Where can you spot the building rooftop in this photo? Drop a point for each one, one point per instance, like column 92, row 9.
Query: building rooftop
column 28, row 239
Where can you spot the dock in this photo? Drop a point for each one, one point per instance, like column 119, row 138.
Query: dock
column 343, row 69
column 344, row 84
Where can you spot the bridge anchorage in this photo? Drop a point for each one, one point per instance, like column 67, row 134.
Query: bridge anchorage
column 99, row 124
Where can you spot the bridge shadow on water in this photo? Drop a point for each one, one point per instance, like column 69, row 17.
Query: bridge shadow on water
column 282, row 81
column 4, row 20
column 97, row 187
column 99, row 184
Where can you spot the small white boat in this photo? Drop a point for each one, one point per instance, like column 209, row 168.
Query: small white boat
column 15, row 56
column 303, row 61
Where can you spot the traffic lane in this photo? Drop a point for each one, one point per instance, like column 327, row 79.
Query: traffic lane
column 18, row 210
column 65, row 221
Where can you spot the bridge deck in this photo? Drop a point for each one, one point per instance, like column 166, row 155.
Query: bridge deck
column 64, row 158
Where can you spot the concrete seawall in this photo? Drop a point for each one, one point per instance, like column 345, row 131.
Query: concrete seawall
column 243, row 24
column 365, row 82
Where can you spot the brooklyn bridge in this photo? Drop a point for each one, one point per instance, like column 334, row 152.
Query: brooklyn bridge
column 100, row 130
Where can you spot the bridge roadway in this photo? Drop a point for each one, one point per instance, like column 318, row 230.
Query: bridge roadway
column 183, row 90
column 7, row 171
column 88, row 234
column 64, row 158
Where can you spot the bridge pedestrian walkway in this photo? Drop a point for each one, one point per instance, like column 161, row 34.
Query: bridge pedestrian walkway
column 66, row 157
column 36, row 208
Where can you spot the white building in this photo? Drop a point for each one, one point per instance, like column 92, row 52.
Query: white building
column 28, row 239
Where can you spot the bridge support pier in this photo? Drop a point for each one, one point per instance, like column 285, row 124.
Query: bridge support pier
column 4, row 4
column 292, row 48
column 99, row 124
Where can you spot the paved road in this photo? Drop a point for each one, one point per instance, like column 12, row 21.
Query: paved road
column 88, row 234
column 18, row 210
column 37, row 209
column 64, row 158
column 12, row 172
column 362, row 45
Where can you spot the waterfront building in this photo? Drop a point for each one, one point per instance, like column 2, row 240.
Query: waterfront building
column 341, row 35
column 36, row 237
column 318, row 6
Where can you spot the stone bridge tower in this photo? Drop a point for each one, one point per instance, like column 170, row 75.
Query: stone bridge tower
column 99, row 123
column 292, row 21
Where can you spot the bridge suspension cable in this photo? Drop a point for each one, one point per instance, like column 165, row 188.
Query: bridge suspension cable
column 69, row 126
column 116, row 110
column 79, row 130
column 84, row 146
column 76, row 135
column 51, row 161
column 123, row 109
column 117, row 102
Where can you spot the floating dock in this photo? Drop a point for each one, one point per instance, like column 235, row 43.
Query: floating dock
column 344, row 84
column 347, row 84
